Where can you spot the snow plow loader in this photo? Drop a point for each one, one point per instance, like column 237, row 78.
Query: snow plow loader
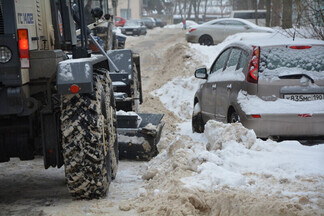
column 59, row 97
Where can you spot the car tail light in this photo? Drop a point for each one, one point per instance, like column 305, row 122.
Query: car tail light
column 193, row 29
column 74, row 88
column 256, row 116
column 300, row 47
column 305, row 115
column 252, row 75
column 23, row 48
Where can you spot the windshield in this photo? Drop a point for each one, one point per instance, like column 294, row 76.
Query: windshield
column 132, row 23
column 279, row 61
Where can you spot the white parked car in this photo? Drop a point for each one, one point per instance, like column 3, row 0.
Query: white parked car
column 215, row 31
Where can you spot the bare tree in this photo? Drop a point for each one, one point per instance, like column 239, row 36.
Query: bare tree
column 310, row 19
column 299, row 10
column 268, row 13
column 255, row 5
column 287, row 14
column 276, row 12
column 261, row 4
column 196, row 7
column 205, row 10
column 240, row 5
column 189, row 10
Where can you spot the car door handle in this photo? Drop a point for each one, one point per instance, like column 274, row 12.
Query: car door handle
column 214, row 86
column 229, row 86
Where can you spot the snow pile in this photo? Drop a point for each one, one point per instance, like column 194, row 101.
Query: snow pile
column 177, row 95
column 189, row 24
column 193, row 177
column 129, row 113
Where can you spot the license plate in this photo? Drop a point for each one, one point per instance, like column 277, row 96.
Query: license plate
column 129, row 32
column 304, row 97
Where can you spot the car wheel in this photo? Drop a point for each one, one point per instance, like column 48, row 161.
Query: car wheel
column 206, row 40
column 233, row 116
column 198, row 125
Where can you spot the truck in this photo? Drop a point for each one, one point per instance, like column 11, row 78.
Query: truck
column 60, row 86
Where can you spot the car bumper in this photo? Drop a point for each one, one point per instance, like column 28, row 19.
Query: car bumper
column 286, row 125
column 192, row 38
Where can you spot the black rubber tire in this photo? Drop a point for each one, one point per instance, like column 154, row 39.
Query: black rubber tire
column 206, row 40
column 112, row 132
column 85, row 141
column 198, row 125
column 135, row 92
column 233, row 117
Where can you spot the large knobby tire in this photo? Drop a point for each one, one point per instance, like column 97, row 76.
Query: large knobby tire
column 198, row 125
column 135, row 91
column 112, row 132
column 206, row 40
column 87, row 142
column 111, row 129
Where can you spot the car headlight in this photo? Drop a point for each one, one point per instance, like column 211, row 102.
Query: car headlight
column 5, row 54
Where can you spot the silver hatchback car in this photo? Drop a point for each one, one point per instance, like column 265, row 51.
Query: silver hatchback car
column 274, row 87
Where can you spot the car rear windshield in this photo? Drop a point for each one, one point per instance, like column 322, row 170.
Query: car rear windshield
column 277, row 61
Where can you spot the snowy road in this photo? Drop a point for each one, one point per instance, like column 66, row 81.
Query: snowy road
column 195, row 174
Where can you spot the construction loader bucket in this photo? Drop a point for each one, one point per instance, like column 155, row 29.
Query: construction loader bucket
column 137, row 139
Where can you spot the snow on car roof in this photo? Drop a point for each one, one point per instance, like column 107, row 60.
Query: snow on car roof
column 270, row 39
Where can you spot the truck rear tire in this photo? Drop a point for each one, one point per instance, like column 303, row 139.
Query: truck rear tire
column 86, row 142
column 135, row 90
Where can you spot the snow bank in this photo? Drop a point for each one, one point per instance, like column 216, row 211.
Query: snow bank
column 230, row 154
column 177, row 95
column 189, row 24
column 191, row 175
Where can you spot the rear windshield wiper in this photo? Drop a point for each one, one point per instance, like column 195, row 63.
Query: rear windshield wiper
column 296, row 76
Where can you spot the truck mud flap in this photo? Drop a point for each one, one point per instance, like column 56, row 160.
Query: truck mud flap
column 138, row 142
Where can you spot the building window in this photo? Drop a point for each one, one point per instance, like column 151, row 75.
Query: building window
column 123, row 13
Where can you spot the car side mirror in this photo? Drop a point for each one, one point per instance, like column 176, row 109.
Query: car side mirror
column 201, row 73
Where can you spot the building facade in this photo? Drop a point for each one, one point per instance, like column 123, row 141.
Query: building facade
column 129, row 9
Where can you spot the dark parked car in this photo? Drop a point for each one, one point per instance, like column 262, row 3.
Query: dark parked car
column 159, row 22
column 134, row 27
column 275, row 87
column 149, row 22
